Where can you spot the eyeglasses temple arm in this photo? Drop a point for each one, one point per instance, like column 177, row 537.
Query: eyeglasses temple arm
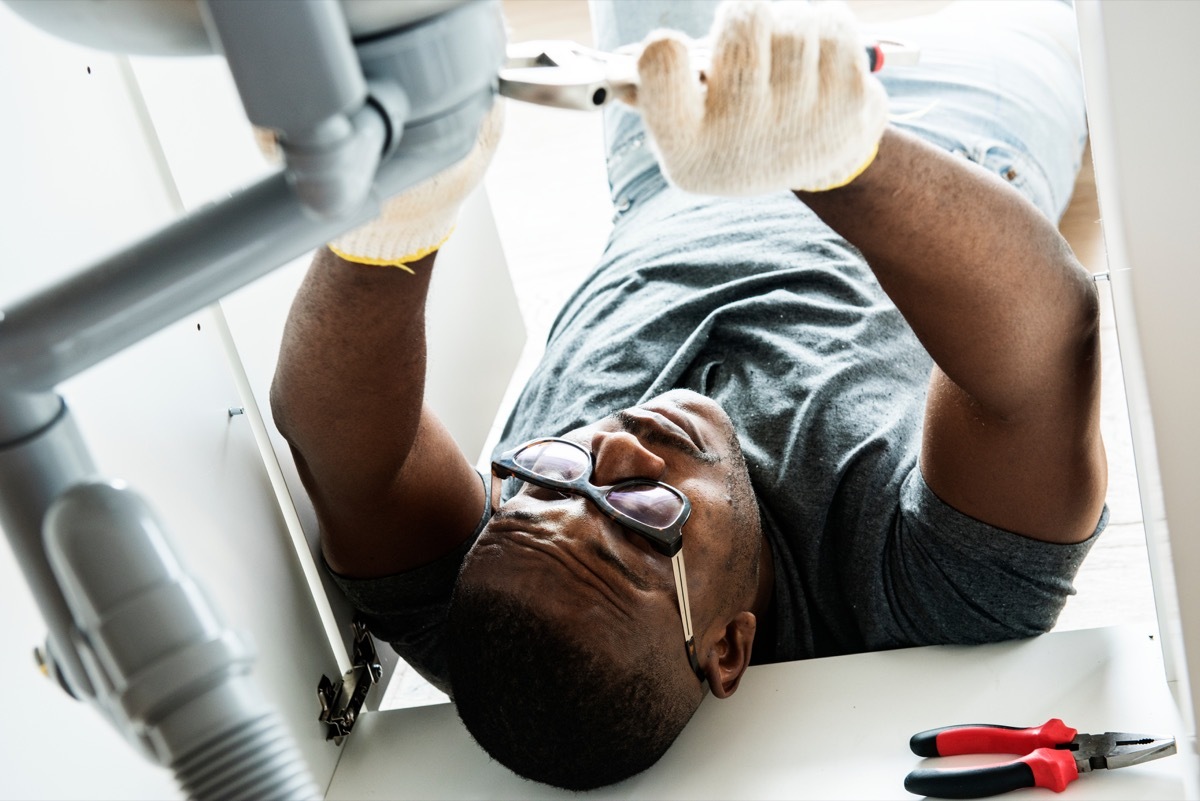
column 685, row 610
column 496, row 487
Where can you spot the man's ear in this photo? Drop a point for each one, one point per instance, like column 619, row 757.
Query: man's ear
column 726, row 659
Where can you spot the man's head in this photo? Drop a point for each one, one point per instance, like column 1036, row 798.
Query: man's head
column 567, row 653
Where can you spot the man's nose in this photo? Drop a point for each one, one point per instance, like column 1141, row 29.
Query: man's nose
column 620, row 456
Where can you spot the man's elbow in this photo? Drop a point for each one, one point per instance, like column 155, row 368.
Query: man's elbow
column 1070, row 320
column 281, row 407
column 1087, row 302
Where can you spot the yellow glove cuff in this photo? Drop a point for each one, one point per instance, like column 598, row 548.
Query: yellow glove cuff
column 845, row 181
column 402, row 262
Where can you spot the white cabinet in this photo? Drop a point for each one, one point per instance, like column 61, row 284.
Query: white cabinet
column 95, row 152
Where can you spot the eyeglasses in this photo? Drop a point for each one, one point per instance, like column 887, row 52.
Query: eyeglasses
column 655, row 510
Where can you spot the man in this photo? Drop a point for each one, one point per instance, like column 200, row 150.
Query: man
column 771, row 425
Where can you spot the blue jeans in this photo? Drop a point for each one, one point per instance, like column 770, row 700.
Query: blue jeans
column 999, row 83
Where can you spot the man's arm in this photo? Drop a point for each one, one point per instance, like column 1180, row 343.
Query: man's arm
column 1011, row 434
column 391, row 488
column 994, row 293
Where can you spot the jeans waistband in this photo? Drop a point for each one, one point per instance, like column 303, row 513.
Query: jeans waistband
column 633, row 170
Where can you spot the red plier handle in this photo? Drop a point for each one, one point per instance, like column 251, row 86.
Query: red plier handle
column 1046, row 761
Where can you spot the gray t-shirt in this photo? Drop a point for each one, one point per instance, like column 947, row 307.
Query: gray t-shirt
column 757, row 304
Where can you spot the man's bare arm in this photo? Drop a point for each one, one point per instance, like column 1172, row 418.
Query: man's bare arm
column 1011, row 320
column 391, row 488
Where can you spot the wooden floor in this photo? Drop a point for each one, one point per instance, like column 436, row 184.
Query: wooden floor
column 549, row 194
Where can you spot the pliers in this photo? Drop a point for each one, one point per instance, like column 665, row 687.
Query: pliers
column 568, row 75
column 1055, row 755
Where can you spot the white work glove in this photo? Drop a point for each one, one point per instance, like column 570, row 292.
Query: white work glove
column 418, row 221
column 788, row 102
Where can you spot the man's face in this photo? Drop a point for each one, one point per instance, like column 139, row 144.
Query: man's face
column 560, row 552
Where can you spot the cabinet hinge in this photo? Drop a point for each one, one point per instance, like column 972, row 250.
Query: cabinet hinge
column 342, row 701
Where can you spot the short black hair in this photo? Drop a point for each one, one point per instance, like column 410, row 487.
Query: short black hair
column 547, row 707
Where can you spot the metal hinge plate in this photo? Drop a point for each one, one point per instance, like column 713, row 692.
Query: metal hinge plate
column 342, row 701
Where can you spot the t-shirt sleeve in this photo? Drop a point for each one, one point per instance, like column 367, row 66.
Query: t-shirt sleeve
column 408, row 610
column 949, row 578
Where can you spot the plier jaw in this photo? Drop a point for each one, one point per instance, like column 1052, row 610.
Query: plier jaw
column 564, row 74
column 1113, row 750
column 1054, row 755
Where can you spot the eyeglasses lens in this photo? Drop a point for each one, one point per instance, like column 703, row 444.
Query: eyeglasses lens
column 651, row 504
column 554, row 460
